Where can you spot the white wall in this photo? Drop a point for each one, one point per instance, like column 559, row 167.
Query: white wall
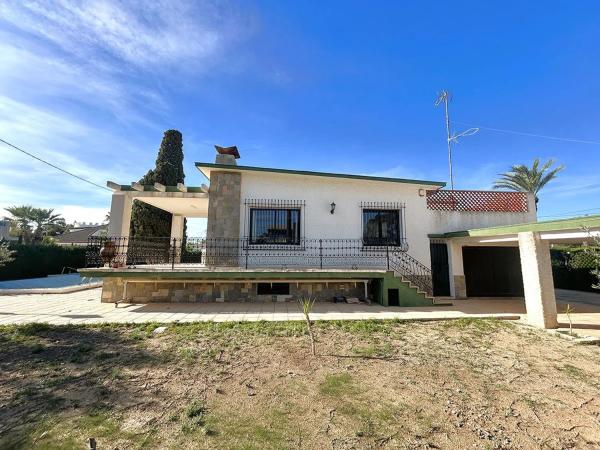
column 318, row 193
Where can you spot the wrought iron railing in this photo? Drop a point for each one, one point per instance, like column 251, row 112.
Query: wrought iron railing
column 309, row 253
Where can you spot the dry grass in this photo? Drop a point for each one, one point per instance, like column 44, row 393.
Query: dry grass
column 455, row 384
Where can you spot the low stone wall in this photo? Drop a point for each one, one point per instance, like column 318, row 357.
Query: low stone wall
column 113, row 290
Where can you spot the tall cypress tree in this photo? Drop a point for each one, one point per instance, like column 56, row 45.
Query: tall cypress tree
column 147, row 220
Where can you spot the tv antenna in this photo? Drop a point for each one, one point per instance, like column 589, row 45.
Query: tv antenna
column 445, row 97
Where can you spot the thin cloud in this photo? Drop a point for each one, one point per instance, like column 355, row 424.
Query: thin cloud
column 143, row 34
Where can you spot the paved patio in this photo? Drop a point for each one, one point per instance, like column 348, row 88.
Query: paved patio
column 85, row 307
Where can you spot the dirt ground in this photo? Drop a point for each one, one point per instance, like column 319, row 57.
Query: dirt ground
column 452, row 385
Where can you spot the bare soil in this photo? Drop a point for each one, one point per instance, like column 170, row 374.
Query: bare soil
column 452, row 385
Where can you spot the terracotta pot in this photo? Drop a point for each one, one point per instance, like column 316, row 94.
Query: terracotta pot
column 108, row 252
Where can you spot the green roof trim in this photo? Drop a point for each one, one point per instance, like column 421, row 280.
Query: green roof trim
column 234, row 275
column 571, row 223
column 151, row 188
column 319, row 174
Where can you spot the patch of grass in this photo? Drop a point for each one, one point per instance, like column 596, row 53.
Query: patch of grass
column 37, row 347
column 573, row 371
column 480, row 326
column 385, row 350
column 188, row 354
column 32, row 329
column 336, row 385
column 117, row 373
column 232, row 330
column 243, row 432
column 195, row 419
column 80, row 353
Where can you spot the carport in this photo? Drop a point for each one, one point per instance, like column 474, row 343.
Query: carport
column 513, row 261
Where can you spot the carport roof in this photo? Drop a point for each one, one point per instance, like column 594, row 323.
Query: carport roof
column 572, row 223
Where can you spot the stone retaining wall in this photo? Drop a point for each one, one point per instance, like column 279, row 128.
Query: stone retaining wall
column 148, row 292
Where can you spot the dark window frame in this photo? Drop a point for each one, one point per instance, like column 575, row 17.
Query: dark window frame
column 379, row 240
column 292, row 238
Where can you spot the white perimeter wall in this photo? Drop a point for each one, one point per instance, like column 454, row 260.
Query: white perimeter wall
column 318, row 193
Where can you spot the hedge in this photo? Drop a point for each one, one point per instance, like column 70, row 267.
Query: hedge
column 572, row 269
column 34, row 261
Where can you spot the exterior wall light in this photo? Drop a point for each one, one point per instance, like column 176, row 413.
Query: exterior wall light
column 332, row 207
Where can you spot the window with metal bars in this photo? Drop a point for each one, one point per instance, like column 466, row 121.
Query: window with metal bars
column 275, row 226
column 381, row 227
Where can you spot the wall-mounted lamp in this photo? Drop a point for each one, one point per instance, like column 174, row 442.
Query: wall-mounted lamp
column 332, row 207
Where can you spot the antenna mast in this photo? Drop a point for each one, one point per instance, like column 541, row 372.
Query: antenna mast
column 445, row 97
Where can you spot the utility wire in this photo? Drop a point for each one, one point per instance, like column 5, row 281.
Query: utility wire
column 568, row 213
column 54, row 166
column 521, row 133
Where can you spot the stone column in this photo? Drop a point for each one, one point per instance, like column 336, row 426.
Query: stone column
column 223, row 230
column 177, row 235
column 120, row 215
column 537, row 280
column 458, row 287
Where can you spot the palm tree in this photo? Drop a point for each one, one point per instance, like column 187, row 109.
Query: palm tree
column 25, row 217
column 528, row 179
column 20, row 222
column 47, row 223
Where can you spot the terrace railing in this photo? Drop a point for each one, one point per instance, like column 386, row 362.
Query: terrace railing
column 477, row 201
column 308, row 253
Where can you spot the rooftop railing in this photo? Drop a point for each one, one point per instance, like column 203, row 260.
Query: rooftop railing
column 477, row 201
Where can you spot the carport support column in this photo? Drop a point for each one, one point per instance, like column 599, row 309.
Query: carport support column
column 177, row 236
column 537, row 280
column 458, row 288
column 120, row 215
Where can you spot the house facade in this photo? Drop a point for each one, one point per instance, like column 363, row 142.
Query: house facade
column 278, row 234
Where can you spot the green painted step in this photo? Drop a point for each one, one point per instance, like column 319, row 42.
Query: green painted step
column 408, row 294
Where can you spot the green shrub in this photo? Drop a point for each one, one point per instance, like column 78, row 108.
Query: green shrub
column 33, row 261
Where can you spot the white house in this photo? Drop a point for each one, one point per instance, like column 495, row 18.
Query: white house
column 277, row 234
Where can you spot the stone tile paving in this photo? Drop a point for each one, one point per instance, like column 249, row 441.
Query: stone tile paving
column 85, row 307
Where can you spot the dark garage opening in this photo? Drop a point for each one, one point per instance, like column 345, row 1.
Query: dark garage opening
column 493, row 272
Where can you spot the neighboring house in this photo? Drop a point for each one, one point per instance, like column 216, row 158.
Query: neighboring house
column 277, row 234
column 5, row 231
column 79, row 235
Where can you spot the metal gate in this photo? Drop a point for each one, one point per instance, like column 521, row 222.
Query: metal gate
column 493, row 272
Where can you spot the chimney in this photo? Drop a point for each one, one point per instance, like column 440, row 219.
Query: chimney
column 227, row 155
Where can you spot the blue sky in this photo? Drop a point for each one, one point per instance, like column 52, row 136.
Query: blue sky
column 330, row 86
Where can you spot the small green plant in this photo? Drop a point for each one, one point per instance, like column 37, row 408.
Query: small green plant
column 568, row 311
column 195, row 418
column 306, row 305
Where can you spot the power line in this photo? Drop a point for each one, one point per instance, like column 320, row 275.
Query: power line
column 522, row 133
column 53, row 166
column 568, row 213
